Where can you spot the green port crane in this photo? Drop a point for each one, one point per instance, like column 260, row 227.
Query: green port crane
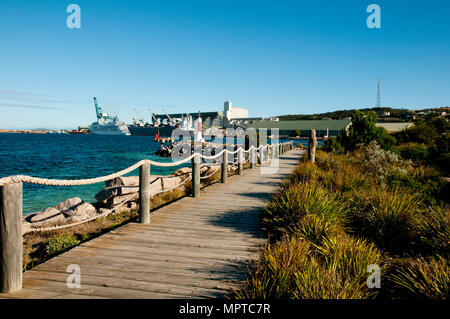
column 98, row 109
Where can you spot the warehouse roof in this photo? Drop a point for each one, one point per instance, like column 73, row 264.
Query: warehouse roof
column 395, row 127
column 303, row 124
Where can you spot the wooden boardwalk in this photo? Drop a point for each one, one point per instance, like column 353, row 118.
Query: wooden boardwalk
column 193, row 248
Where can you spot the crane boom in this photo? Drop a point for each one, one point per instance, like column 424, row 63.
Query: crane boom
column 98, row 109
column 139, row 116
column 153, row 116
column 168, row 116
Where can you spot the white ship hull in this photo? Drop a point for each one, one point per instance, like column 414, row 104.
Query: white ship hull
column 109, row 129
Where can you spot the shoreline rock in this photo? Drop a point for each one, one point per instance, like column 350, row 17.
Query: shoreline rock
column 71, row 210
column 113, row 196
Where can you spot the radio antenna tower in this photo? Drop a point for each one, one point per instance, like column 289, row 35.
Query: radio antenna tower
column 378, row 94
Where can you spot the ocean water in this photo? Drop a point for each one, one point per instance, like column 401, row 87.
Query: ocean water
column 66, row 156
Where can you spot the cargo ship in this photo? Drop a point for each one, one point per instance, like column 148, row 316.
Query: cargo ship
column 162, row 127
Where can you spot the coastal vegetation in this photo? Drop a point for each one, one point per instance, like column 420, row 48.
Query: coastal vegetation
column 362, row 203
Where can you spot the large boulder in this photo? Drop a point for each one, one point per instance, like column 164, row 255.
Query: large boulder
column 123, row 181
column 69, row 204
column 182, row 171
column 170, row 182
column 49, row 216
column 70, row 210
column 107, row 193
column 83, row 210
column 48, row 213
column 119, row 189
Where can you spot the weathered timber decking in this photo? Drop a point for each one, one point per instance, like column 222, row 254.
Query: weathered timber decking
column 193, row 248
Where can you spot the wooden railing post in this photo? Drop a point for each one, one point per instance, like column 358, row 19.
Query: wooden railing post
column 196, row 176
column 240, row 160
column 224, row 167
column 312, row 146
column 11, row 238
column 144, row 193
column 266, row 151
column 251, row 159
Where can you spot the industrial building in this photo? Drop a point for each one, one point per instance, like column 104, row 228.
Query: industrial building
column 323, row 127
column 395, row 127
column 231, row 116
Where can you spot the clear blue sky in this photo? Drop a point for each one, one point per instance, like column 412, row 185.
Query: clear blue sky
column 272, row 57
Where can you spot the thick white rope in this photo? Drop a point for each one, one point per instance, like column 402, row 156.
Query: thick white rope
column 212, row 156
column 187, row 159
column 208, row 176
column 56, row 182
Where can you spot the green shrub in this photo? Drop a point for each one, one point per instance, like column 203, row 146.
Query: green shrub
column 414, row 151
column 333, row 145
column 426, row 279
column 424, row 181
column 363, row 131
column 60, row 243
column 380, row 163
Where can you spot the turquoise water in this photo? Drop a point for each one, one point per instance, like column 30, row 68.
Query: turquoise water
column 64, row 156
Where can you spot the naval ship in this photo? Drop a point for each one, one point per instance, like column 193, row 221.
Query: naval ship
column 107, row 125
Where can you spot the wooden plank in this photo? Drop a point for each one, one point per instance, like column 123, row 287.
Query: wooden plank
column 193, row 248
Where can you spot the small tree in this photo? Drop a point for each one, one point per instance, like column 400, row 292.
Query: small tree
column 363, row 130
column 295, row 133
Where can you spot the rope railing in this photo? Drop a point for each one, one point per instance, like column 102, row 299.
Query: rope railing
column 88, row 181
column 11, row 193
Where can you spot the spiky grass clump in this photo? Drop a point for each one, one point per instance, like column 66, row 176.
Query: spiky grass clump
column 426, row 279
column 349, row 256
column 317, row 228
column 287, row 208
column 388, row 218
column 433, row 227
column 295, row 268
column 274, row 273
column 321, row 283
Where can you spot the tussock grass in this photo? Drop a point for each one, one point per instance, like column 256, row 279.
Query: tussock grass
column 426, row 279
column 386, row 217
column 292, row 202
column 329, row 221
column 294, row 268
